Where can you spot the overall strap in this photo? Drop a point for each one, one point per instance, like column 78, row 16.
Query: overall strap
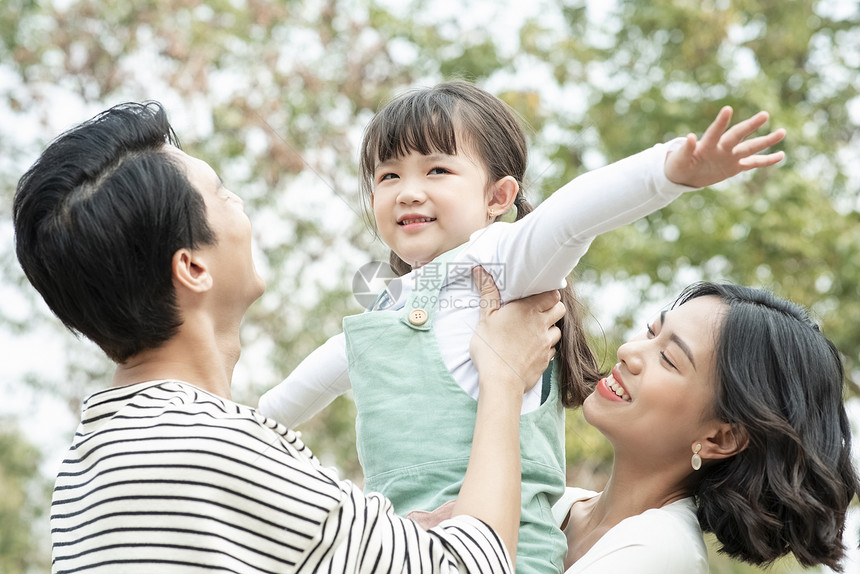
column 424, row 299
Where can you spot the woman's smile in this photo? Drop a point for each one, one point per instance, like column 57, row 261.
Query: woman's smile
column 612, row 388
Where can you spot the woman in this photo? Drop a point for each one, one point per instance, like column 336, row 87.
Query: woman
column 725, row 416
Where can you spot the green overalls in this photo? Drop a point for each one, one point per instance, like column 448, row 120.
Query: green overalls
column 415, row 423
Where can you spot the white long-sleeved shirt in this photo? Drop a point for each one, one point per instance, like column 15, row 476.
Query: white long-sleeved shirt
column 532, row 255
column 163, row 477
column 658, row 541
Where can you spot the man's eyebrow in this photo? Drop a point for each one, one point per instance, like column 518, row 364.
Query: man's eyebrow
column 678, row 341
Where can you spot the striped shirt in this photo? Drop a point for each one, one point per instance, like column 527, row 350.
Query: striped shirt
column 165, row 477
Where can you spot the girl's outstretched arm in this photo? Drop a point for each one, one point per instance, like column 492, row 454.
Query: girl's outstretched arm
column 317, row 381
column 721, row 153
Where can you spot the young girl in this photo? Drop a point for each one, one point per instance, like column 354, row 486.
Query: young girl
column 440, row 166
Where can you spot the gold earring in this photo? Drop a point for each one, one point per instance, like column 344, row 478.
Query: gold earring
column 696, row 461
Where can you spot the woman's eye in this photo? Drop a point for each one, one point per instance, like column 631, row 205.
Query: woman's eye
column 668, row 362
column 650, row 330
column 438, row 171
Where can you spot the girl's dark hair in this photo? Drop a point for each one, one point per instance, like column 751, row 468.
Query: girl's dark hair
column 428, row 120
column 780, row 382
column 97, row 220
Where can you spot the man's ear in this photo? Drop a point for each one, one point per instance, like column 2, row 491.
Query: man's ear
column 723, row 441
column 190, row 271
column 502, row 195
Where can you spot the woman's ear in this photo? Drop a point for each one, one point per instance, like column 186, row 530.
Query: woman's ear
column 723, row 441
column 502, row 195
column 190, row 271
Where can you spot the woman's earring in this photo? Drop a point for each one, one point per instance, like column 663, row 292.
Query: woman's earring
column 491, row 213
column 696, row 460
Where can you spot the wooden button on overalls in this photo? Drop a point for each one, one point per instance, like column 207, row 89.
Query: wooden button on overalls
column 418, row 317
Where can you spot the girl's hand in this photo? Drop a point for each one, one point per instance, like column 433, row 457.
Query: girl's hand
column 721, row 154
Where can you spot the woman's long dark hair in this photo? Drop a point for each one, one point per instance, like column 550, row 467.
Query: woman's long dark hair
column 779, row 381
column 427, row 121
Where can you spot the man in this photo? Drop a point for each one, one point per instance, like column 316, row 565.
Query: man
column 140, row 247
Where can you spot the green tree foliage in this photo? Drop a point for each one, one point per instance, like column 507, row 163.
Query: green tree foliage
column 22, row 503
column 666, row 69
column 275, row 94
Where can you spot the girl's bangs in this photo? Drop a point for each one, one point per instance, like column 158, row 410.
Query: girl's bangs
column 422, row 127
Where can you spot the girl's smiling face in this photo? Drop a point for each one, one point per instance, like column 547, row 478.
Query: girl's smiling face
column 661, row 392
column 425, row 205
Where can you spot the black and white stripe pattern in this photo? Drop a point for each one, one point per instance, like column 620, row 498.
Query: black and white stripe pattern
column 165, row 477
